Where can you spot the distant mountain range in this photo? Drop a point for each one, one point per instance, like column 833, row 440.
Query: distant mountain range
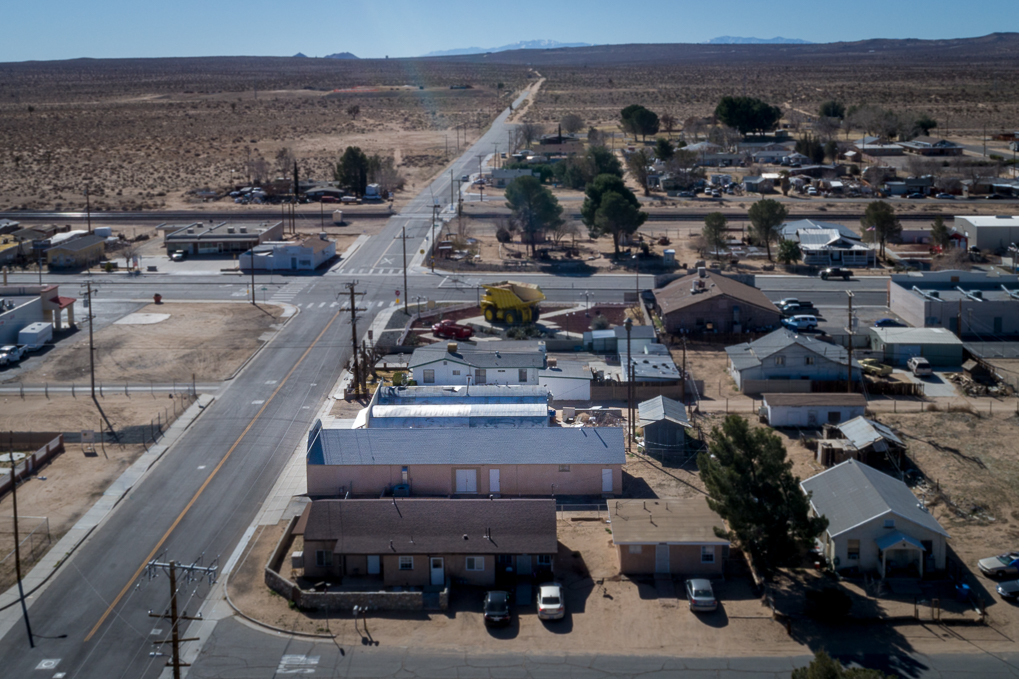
column 338, row 55
column 522, row 45
column 733, row 40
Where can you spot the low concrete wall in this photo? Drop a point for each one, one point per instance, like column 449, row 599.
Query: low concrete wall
column 338, row 601
column 616, row 391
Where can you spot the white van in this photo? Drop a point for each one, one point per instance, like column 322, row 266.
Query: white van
column 919, row 366
column 800, row 322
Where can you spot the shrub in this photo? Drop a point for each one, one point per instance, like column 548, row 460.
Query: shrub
column 399, row 379
column 503, row 235
column 600, row 323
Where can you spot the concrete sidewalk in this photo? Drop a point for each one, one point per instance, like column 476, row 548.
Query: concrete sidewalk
column 36, row 580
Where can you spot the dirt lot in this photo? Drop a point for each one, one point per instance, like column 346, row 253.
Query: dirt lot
column 141, row 134
column 166, row 350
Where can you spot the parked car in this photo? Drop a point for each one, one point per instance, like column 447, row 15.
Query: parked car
column 945, row 196
column 179, row 256
column 793, row 309
column 465, row 178
column 686, row 194
column 1009, row 590
column 12, row 352
column 872, row 366
column 1000, row 566
column 551, row 604
column 451, row 330
column 888, row 323
column 995, row 196
column 327, row 198
column 835, row 272
column 800, row 322
column 915, row 196
column 701, row 596
column 715, row 193
column 786, row 301
column 497, row 608
column 919, row 366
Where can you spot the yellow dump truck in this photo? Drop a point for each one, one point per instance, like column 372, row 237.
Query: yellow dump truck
column 511, row 302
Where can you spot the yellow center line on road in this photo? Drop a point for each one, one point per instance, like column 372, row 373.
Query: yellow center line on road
column 201, row 490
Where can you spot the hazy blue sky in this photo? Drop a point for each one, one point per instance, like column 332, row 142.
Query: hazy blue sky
column 64, row 29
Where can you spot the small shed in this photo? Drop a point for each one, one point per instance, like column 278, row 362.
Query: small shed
column 668, row 535
column 664, row 422
column 939, row 346
column 811, row 410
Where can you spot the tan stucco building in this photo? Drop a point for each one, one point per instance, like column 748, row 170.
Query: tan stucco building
column 668, row 535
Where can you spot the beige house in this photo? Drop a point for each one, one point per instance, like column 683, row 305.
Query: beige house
column 425, row 542
column 670, row 535
column 875, row 522
column 77, row 253
column 555, row 461
column 709, row 302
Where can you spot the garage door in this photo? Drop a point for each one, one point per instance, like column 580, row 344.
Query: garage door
column 467, row 480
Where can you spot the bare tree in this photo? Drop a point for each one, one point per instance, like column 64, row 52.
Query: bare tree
column 595, row 137
column 668, row 122
column 353, row 111
column 826, row 128
column 530, row 132
column 694, row 126
column 562, row 231
column 637, row 163
column 257, row 169
column 284, row 161
column 571, row 123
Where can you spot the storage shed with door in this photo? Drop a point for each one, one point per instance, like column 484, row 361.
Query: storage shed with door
column 940, row 346
column 811, row 410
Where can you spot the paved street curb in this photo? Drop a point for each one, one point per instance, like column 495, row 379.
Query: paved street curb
column 286, row 319
column 41, row 573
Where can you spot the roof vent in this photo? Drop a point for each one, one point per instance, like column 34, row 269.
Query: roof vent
column 190, row 230
column 244, row 229
column 552, row 361
column 451, row 347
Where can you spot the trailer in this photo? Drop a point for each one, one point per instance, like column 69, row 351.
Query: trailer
column 35, row 335
column 511, row 302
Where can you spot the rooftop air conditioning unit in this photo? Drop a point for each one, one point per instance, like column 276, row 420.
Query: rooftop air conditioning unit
column 229, row 229
column 552, row 361
column 244, row 229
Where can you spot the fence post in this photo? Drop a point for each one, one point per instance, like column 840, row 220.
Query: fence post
column 72, row 391
column 125, row 388
column 21, row 386
column 101, row 390
column 47, row 390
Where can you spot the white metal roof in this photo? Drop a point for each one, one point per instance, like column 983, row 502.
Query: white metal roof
column 463, row 410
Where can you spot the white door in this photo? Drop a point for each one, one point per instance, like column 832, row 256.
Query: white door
column 438, row 572
column 661, row 558
column 606, row 480
column 467, row 480
column 374, row 567
column 493, row 481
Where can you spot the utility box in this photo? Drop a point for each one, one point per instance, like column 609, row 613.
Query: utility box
column 297, row 560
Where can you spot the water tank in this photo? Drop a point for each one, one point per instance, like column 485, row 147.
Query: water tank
column 337, row 216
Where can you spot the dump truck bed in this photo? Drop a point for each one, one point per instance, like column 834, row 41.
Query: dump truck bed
column 511, row 293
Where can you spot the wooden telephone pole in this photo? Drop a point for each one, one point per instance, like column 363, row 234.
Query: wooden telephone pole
column 193, row 572
column 849, row 330
column 353, row 336
column 17, row 549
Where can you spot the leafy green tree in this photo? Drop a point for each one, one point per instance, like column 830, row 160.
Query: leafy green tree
column 788, row 252
column 618, row 216
column 924, row 124
column 603, row 161
column 637, row 163
column 353, row 111
column 595, row 192
column 940, row 233
column 879, row 219
column 664, row 149
column 766, row 216
column 637, row 119
column 811, row 147
column 823, row 666
column 833, row 109
column 747, row 114
column 831, row 150
column 715, row 231
column 535, row 210
column 351, row 172
column 751, row 486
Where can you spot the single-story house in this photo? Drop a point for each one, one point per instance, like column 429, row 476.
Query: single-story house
column 613, row 340
column 711, row 302
column 791, row 230
column 787, row 355
column 758, row 185
column 940, row 346
column 502, row 176
column 447, row 363
column 668, row 535
column 427, row 542
column 306, row 255
column 77, row 253
column 875, row 522
column 931, row 146
column 566, row 380
column 457, row 406
column 664, row 422
column 465, row 461
column 200, row 239
column 811, row 410
column 651, row 364
column 826, row 247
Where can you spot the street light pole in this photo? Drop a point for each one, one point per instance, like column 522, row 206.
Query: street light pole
column 17, row 549
column 406, row 292
column 88, row 210
column 849, row 328
column 628, row 324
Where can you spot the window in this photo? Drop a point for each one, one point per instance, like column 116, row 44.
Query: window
column 544, row 560
column 853, row 550
column 707, row 554
column 456, row 372
column 780, row 360
column 475, row 563
column 479, row 376
column 522, row 374
column 889, row 523
column 635, row 549
column 564, row 467
column 504, row 559
column 808, row 360
column 323, row 558
column 429, row 376
column 406, row 563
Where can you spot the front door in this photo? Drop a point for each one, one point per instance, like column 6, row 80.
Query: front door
column 493, row 481
column 374, row 567
column 293, row 263
column 606, row 480
column 811, row 418
column 524, row 565
column 438, row 571
column 661, row 558
column 467, row 480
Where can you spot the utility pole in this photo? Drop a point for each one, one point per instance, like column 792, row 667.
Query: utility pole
column 435, row 213
column 88, row 210
column 628, row 324
column 353, row 336
column 252, row 253
column 849, row 329
column 91, row 344
column 17, row 549
column 193, row 572
column 406, row 292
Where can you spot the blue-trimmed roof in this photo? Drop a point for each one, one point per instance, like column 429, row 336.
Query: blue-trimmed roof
column 553, row 445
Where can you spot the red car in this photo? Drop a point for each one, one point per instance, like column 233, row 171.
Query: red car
column 450, row 330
